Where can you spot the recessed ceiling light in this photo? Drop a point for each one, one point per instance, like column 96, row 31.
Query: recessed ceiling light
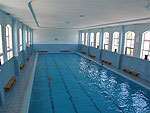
column 81, row 16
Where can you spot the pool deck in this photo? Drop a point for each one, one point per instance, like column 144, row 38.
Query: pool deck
column 14, row 98
column 135, row 79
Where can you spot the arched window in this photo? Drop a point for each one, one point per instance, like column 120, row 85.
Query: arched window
column 115, row 44
column 129, row 42
column 29, row 37
column 106, row 41
column 145, row 48
column 92, row 40
column 26, row 38
column 86, row 39
column 97, row 39
column 20, row 40
column 82, row 38
column 9, row 42
column 1, row 47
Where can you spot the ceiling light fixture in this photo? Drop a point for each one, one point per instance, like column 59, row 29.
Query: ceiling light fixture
column 81, row 16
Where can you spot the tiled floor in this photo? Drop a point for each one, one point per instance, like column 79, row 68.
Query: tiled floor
column 14, row 97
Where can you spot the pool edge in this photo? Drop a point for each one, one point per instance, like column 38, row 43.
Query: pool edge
column 121, row 74
column 27, row 96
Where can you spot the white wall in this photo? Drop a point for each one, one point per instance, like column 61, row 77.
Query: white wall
column 47, row 36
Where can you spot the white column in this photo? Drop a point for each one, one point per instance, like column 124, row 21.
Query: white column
column 27, row 36
column 110, row 41
column 121, row 41
column 89, row 34
column 15, row 37
column 79, row 37
column 101, row 39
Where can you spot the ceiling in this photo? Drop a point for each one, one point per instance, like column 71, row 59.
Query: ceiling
column 66, row 13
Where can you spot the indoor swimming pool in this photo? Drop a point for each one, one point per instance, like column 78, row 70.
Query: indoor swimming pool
column 77, row 86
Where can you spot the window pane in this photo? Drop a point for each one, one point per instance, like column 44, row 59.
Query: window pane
column 20, row 48
column 146, row 45
column 1, row 44
column 106, row 41
column 1, row 60
column 86, row 39
column 129, row 42
column 26, row 37
column 8, row 37
column 29, row 38
column 145, row 49
column 9, row 55
column 97, row 39
column 82, row 38
column 20, row 37
column 92, row 40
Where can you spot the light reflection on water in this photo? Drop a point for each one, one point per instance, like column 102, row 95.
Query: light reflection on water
column 122, row 91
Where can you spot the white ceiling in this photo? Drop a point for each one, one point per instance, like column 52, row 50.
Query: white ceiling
column 55, row 13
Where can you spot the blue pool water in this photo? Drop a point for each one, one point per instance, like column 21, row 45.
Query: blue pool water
column 78, row 86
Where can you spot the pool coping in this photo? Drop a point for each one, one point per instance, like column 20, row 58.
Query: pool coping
column 109, row 68
column 26, row 100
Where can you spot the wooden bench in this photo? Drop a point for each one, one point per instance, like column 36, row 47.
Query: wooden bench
column 92, row 56
column 42, row 51
column 105, row 61
column 130, row 72
column 65, row 51
column 27, row 58
column 83, row 52
column 22, row 65
column 9, row 83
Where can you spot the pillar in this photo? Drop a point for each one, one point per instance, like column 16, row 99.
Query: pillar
column 23, row 43
column 101, row 44
column 15, row 46
column 121, row 46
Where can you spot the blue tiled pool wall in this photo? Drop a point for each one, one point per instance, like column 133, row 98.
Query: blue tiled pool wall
column 55, row 48
column 120, row 61
column 11, row 68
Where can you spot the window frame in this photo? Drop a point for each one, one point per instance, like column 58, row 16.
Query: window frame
column 82, row 38
column 92, row 35
column 114, row 45
column 1, row 44
column 142, row 46
column 26, row 38
column 8, row 41
column 20, row 39
column 86, row 39
column 104, row 39
column 132, row 42
column 97, row 42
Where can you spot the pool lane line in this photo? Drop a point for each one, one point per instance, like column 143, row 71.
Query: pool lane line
column 82, row 87
column 50, row 88
column 66, row 88
column 104, row 93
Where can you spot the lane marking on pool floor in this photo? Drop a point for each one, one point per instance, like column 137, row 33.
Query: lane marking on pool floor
column 102, row 92
column 82, row 87
column 66, row 88
column 50, row 88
